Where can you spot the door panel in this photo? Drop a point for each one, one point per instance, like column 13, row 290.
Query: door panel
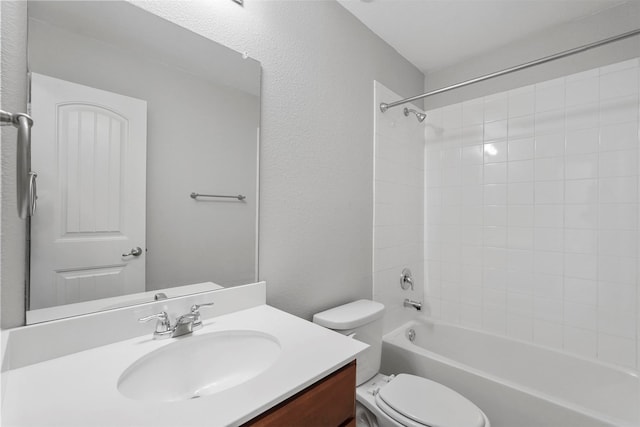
column 89, row 151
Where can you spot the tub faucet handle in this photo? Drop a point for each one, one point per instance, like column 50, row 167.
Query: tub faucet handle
column 406, row 279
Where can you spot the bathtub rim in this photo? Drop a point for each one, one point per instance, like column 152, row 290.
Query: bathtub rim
column 398, row 338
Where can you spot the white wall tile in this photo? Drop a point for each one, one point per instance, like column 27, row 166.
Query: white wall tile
column 549, row 192
column 495, row 107
column 520, row 193
column 495, row 173
column 495, row 152
column 547, row 309
column 618, row 324
column 616, row 350
column 617, row 297
column 473, row 112
column 635, row 62
column 494, row 320
column 617, row 270
column 619, row 136
column 581, row 291
column 495, row 236
column 472, row 175
column 495, row 130
column 618, row 190
column 495, row 194
column 550, row 96
column 618, row 163
column 521, row 149
column 581, row 166
column 619, row 83
column 581, row 266
column 452, row 116
column 472, row 135
column 548, row 262
column 618, row 216
column 520, row 327
column 582, row 91
column 622, row 243
column 521, row 101
column 550, row 169
column 550, row 122
column 547, row 333
column 550, row 145
column 582, row 191
column 520, row 216
column 549, row 216
column 471, row 316
column 521, row 127
column 582, row 141
column 521, row 171
column 520, row 237
column 532, row 213
column 580, row 241
column 549, row 286
column 520, row 282
column 472, row 155
column 619, row 110
column 582, row 117
column 580, row 315
column 549, row 239
column 581, row 341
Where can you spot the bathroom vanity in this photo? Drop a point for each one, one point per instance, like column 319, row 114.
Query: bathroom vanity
column 251, row 365
column 328, row 402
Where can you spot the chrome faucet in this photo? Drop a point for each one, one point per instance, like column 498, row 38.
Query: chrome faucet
column 412, row 304
column 185, row 324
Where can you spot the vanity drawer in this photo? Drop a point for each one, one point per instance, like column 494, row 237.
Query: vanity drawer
column 330, row 402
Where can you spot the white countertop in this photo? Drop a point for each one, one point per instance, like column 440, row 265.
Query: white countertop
column 81, row 389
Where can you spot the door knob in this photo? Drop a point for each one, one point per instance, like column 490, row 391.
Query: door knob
column 137, row 251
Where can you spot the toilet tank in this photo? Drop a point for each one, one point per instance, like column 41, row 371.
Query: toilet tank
column 362, row 320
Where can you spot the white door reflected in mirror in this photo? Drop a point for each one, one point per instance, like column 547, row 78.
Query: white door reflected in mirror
column 89, row 150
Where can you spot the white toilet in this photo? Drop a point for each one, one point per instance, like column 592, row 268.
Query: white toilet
column 396, row 400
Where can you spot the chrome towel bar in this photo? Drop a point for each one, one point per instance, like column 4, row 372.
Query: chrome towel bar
column 239, row 196
column 26, row 178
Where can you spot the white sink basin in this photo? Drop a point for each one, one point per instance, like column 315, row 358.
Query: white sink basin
column 199, row 365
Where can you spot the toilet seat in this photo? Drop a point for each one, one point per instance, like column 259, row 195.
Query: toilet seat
column 418, row 402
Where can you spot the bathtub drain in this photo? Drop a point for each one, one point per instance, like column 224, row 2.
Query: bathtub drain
column 411, row 334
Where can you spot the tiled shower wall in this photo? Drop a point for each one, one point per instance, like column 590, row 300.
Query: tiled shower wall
column 399, row 207
column 531, row 213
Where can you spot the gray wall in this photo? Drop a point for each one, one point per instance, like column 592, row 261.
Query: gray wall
column 316, row 177
column 201, row 137
column 13, row 98
column 608, row 23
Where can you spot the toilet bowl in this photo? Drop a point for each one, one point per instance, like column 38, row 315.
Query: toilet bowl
column 395, row 400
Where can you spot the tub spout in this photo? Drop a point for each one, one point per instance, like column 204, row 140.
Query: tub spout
column 413, row 304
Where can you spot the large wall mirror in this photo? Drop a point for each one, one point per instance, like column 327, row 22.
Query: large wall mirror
column 140, row 127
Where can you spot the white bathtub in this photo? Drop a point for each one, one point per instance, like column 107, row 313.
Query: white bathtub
column 517, row 384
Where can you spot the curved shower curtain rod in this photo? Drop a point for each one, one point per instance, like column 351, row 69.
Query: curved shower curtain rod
column 385, row 106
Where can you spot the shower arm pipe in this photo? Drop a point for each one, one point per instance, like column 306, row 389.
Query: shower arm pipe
column 385, row 106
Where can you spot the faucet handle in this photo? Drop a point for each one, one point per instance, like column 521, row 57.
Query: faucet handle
column 195, row 311
column 163, row 326
column 196, row 307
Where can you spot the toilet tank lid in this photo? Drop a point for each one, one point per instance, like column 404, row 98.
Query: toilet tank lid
column 351, row 315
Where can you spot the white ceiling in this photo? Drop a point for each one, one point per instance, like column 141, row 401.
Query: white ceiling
column 435, row 34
